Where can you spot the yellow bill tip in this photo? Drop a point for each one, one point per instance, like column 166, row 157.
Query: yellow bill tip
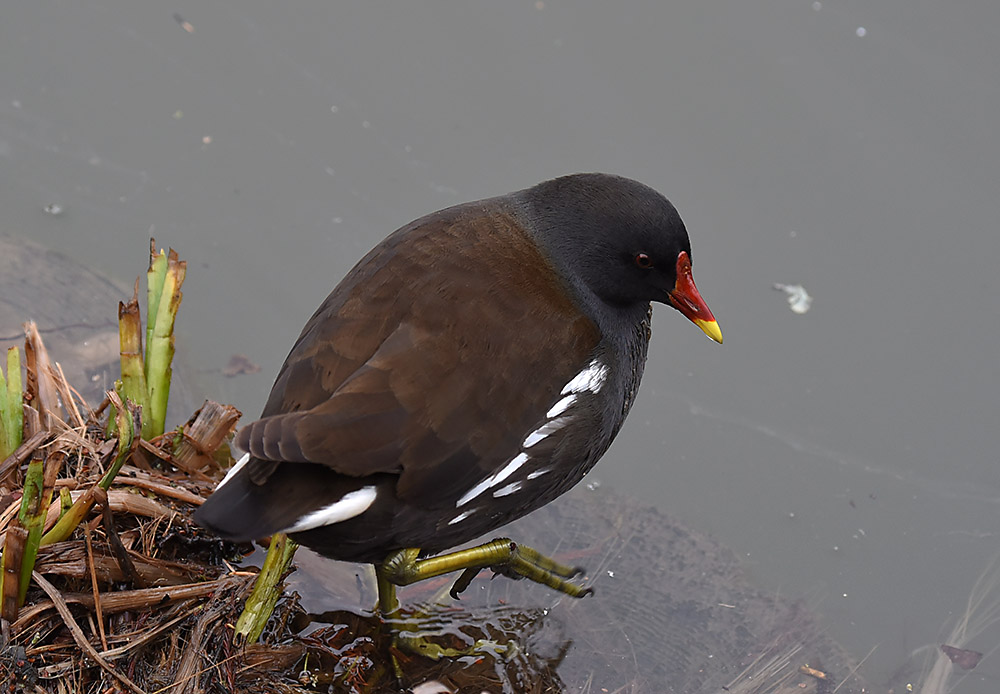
column 710, row 328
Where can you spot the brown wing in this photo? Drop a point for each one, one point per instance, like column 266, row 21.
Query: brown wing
column 432, row 359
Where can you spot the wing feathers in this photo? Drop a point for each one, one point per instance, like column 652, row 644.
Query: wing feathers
column 400, row 370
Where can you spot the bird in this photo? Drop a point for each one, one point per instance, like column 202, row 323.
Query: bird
column 471, row 368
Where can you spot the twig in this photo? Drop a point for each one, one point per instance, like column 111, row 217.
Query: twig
column 97, row 592
column 82, row 400
column 122, row 600
column 101, row 407
column 23, row 452
column 137, row 478
column 167, row 458
column 66, row 393
column 81, row 640
column 125, row 563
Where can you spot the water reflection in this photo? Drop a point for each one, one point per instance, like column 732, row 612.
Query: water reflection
column 672, row 611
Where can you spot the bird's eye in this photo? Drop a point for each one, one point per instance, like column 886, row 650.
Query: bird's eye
column 643, row 261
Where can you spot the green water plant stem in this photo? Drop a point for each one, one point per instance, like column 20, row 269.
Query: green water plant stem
column 34, row 504
column 164, row 279
column 11, row 407
column 25, row 531
column 266, row 589
column 21, row 540
column 133, row 382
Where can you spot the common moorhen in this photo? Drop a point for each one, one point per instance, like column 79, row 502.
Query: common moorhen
column 470, row 369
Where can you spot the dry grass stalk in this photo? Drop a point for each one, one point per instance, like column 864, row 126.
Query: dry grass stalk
column 173, row 624
column 125, row 600
column 97, row 591
column 68, row 395
column 41, row 384
column 162, row 486
column 63, row 609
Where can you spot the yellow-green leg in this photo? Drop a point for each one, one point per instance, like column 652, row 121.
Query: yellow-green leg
column 503, row 556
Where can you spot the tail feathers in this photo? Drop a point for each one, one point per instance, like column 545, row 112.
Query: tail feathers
column 295, row 497
column 241, row 511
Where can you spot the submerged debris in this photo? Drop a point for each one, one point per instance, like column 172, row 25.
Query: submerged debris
column 962, row 657
column 982, row 613
column 240, row 364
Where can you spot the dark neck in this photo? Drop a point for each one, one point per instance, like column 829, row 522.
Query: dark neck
column 611, row 319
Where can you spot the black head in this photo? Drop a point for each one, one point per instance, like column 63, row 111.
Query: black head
column 618, row 242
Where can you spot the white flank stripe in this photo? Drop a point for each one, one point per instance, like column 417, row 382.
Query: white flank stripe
column 474, row 492
column 591, row 378
column 233, row 470
column 461, row 517
column 507, row 470
column 538, row 473
column 509, row 489
column 348, row 506
column 543, row 431
column 561, row 406
column 534, row 437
